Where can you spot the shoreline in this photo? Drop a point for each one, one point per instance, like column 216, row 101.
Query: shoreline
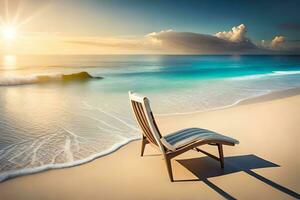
column 253, row 165
column 29, row 171
column 271, row 95
column 49, row 167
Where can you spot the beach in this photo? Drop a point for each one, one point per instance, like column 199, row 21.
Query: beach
column 80, row 82
column 45, row 123
column 265, row 165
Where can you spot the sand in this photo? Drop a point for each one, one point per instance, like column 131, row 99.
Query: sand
column 265, row 165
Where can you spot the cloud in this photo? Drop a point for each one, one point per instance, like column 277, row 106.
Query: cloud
column 237, row 34
column 234, row 41
column 106, row 43
column 277, row 42
column 116, row 45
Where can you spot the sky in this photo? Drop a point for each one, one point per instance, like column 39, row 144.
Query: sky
column 149, row 27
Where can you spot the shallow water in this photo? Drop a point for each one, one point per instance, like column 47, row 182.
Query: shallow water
column 58, row 124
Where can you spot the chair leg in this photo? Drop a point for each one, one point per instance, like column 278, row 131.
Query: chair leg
column 220, row 148
column 169, row 167
column 144, row 142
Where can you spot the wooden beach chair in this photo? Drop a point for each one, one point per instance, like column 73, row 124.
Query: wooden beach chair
column 176, row 143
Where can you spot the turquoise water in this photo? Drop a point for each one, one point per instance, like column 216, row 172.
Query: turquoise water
column 55, row 124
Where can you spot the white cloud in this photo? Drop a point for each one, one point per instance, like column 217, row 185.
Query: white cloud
column 277, row 41
column 157, row 33
column 237, row 34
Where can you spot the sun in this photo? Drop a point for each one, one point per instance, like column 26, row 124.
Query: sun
column 9, row 32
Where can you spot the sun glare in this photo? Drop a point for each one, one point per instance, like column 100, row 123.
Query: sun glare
column 9, row 61
column 9, row 32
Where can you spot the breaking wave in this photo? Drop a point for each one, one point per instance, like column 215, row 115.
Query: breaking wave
column 274, row 73
column 34, row 79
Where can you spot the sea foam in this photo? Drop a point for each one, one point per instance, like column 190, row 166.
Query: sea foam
column 274, row 73
column 20, row 172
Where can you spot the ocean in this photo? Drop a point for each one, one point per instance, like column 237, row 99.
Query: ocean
column 47, row 122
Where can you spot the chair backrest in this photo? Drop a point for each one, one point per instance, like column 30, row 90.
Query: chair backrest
column 143, row 114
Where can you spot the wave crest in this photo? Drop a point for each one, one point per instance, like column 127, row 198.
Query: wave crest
column 34, row 79
column 274, row 73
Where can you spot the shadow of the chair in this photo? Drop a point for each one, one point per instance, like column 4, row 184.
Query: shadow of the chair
column 205, row 168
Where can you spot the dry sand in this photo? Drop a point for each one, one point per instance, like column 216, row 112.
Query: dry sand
column 265, row 165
